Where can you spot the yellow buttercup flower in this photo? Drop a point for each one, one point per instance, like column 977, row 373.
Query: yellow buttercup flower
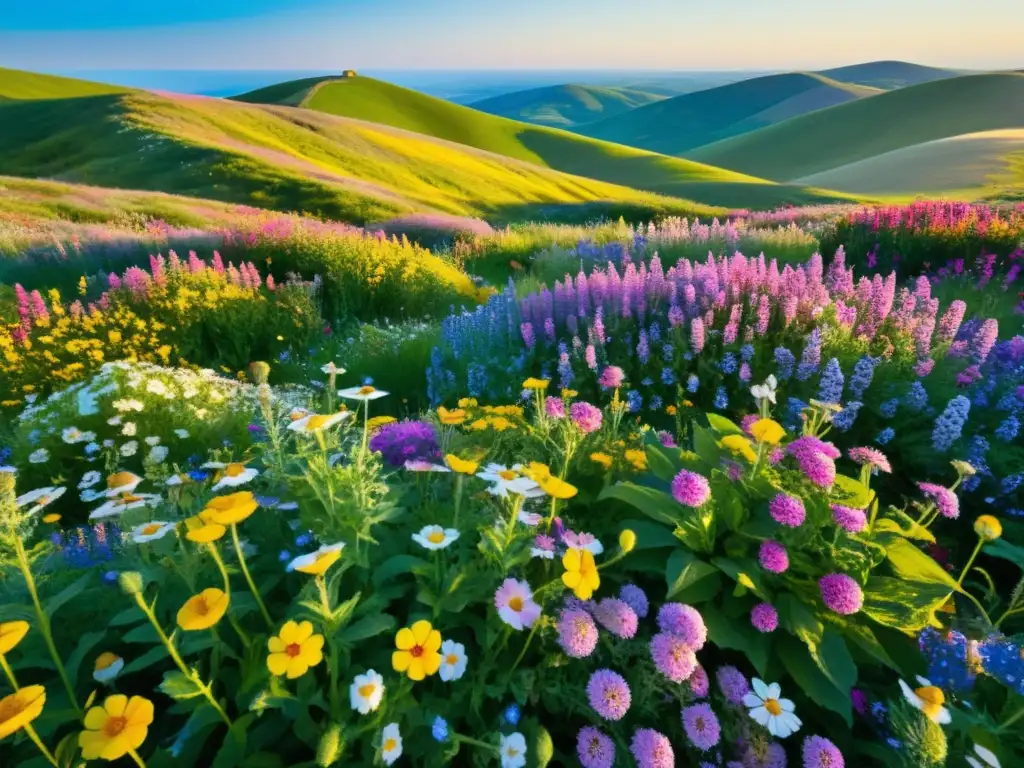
column 203, row 532
column 451, row 418
column 553, row 486
column 116, row 728
column 671, row 410
column 417, row 654
column 230, row 509
column 638, row 459
column 538, row 384
column 20, row 709
column 580, row 573
column 500, row 423
column 462, row 466
column 467, row 402
column 204, row 610
column 12, row 633
column 988, row 528
column 767, row 431
column 478, row 426
column 738, row 445
column 569, row 394
column 603, row 459
column 294, row 650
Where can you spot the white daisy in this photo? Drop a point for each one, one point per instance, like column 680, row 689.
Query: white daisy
column 233, row 474
column 71, row 435
column 545, row 554
column 129, row 429
column 156, row 387
column 121, row 504
column 507, row 480
column 362, row 394
column 152, row 440
column 89, row 479
column 129, row 449
column 108, row 667
column 39, row 498
column 988, row 758
column 390, row 743
column 114, row 421
column 7, row 468
column 769, row 710
column 332, row 370
column 128, row 405
column 929, row 699
column 158, row 453
column 513, row 750
column 453, row 661
column 40, row 456
column 315, row 422
column 151, row 531
column 182, row 433
column 366, row 692
column 435, row 537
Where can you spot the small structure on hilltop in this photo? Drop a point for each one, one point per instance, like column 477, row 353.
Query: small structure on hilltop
column 349, row 73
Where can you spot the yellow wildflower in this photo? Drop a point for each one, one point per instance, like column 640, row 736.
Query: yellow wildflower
column 767, row 431
column 603, row 459
column 738, row 445
column 536, row 384
column 580, row 573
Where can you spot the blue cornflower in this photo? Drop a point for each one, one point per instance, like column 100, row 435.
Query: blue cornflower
column 656, row 403
column 747, row 352
column 284, row 555
column 439, row 729
column 728, row 363
column 634, row 400
column 1003, row 660
column 668, row 378
column 886, row 435
column 304, row 540
column 721, row 399
column 692, row 383
column 947, row 654
column 647, row 381
column 198, row 475
column 879, row 710
column 512, row 714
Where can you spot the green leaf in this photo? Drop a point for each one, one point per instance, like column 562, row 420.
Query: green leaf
column 727, row 502
column 911, row 564
column 1004, row 550
column 149, row 658
column 659, row 464
column 810, row 678
column 706, row 446
column 656, row 504
column 902, row 604
column 179, row 687
column 723, row 426
column 127, row 616
column 850, row 492
column 797, row 618
column 727, row 633
column 86, row 643
column 744, row 572
column 145, row 633
column 366, row 627
column 835, row 662
column 865, row 639
column 232, row 751
column 649, row 535
column 70, row 592
column 912, row 531
column 685, row 573
column 396, row 566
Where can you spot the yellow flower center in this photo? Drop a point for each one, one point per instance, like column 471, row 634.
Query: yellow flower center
column 200, row 606
column 294, row 649
column 773, row 707
column 367, row 690
column 451, row 659
column 118, row 479
column 932, row 699
column 151, row 528
column 234, row 469
column 127, row 498
column 10, row 707
column 435, row 537
column 366, row 390
column 316, row 421
column 511, row 751
column 516, row 604
column 389, row 745
column 114, row 726
column 508, row 474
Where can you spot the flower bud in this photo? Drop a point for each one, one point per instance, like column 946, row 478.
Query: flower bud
column 330, row 747
column 988, row 528
column 130, row 582
column 258, row 372
column 627, row 540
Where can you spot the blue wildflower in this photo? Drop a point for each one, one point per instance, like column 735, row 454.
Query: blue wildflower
column 1004, row 660
column 692, row 383
column 284, row 555
column 917, row 397
column 304, row 540
column 643, row 348
column 512, row 714
column 830, row 388
column 885, row 436
column 647, row 381
column 656, row 403
column 198, row 475
column 728, row 364
column 110, row 577
column 947, row 654
column 439, row 729
column 785, row 361
column 721, row 399
column 634, row 400
column 888, row 408
column 845, row 418
column 949, row 426
column 1009, row 429
column 863, row 372
column 668, row 378
column 1011, row 483
column 667, row 352
column 811, row 357
column 747, row 352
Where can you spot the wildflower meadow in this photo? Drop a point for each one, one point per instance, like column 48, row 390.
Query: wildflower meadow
column 742, row 493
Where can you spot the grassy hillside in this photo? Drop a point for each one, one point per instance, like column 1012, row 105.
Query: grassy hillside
column 888, row 74
column 676, row 125
column 383, row 103
column 16, row 84
column 563, row 106
column 852, row 132
column 969, row 166
column 285, row 159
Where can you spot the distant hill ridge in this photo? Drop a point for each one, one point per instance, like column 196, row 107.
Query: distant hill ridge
column 563, row 106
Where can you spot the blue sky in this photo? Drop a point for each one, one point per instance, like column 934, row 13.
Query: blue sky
column 520, row 34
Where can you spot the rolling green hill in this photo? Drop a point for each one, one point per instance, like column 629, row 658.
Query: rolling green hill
column 16, row 84
column 382, row 103
column 810, row 145
column 676, row 125
column 563, row 106
column 888, row 74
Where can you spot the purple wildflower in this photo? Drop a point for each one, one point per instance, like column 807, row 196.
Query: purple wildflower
column 819, row 752
column 870, row 456
column 849, row 519
column 608, row 694
column 617, row 617
column 651, row 749
column 764, row 617
column 612, row 377
column 594, row 749
column 701, row 726
column 636, row 599
column 554, row 407
column 406, row 441
column 697, row 335
column 945, row 500
column 787, row 510
column 773, row 557
column 690, row 489
column 684, row 621
column 841, row 593
column 732, row 683
column 762, row 754
column 577, row 633
column 699, row 683
column 586, row 416
column 672, row 656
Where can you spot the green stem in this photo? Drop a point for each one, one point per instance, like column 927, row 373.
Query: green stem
column 179, row 662
column 474, row 742
column 1009, row 612
column 9, row 673
column 31, row 732
column 458, row 498
column 333, row 663
column 526, row 645
column 215, row 554
column 1012, row 719
column 44, row 622
column 135, row 757
column 248, row 576
column 970, row 561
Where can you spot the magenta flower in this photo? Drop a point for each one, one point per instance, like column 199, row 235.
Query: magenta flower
column 819, row 752
column 617, row 617
column 699, row 683
column 701, row 726
column 773, row 557
column 945, row 500
column 577, row 633
column 608, row 694
column 732, row 683
column 690, row 489
column 651, row 749
column 870, row 456
column 787, row 510
column 612, row 377
column 594, row 749
column 849, row 519
column 673, row 657
column 748, row 421
column 554, row 407
column 841, row 593
column 764, row 617
column 684, row 621
column 587, row 417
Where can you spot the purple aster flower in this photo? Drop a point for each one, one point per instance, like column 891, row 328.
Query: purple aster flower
column 732, row 683
column 666, row 439
column 701, row 726
column 764, row 755
column 945, row 500
column 699, row 683
column 587, row 417
column 787, row 510
column 684, row 621
column 849, row 519
column 841, row 593
column 859, row 700
column 608, row 694
column 748, row 421
column 594, row 749
column 764, row 617
column 773, row 556
column 651, row 749
column 617, row 617
column 870, row 456
column 612, row 377
column 690, row 489
column 577, row 633
column 673, row 657
column 554, row 407
column 636, row 599
column 819, row 752
column 406, row 441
